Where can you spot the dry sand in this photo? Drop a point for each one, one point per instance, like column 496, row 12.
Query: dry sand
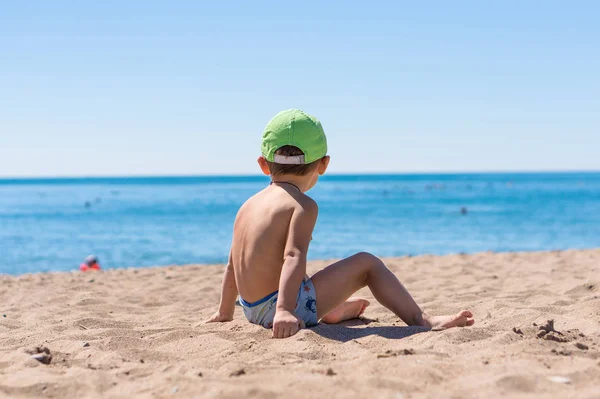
column 132, row 333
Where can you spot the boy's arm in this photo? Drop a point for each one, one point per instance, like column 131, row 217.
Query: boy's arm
column 229, row 293
column 302, row 223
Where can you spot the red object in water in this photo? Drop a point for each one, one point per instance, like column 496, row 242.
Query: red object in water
column 86, row 268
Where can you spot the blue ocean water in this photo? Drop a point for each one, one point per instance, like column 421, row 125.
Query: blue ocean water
column 45, row 225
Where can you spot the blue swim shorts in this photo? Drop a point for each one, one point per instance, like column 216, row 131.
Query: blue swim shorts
column 263, row 311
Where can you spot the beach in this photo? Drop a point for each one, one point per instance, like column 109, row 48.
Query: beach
column 137, row 333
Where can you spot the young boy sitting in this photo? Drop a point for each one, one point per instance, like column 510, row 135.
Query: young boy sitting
column 271, row 235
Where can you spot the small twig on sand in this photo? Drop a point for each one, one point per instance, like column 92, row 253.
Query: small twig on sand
column 84, row 327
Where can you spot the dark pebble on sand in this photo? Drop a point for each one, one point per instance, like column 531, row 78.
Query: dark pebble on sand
column 330, row 372
column 562, row 352
column 200, row 375
column 237, row 373
column 517, row 331
column 86, row 344
column 581, row 346
column 3, row 315
column 552, row 336
column 41, row 354
column 42, row 358
column 541, row 333
column 91, row 281
column 549, row 327
column 391, row 353
column 142, row 361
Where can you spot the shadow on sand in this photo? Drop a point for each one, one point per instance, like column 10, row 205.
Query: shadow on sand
column 354, row 329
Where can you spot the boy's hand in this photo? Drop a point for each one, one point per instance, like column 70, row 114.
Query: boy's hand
column 286, row 324
column 219, row 317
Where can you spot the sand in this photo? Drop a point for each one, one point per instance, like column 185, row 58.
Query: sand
column 133, row 333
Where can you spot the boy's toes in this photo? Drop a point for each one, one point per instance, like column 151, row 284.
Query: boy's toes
column 364, row 307
column 464, row 319
column 465, row 313
column 365, row 304
column 461, row 319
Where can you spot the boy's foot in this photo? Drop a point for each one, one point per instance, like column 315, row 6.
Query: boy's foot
column 463, row 318
column 350, row 309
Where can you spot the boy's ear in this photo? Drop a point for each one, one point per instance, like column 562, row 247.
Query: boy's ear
column 322, row 168
column 264, row 166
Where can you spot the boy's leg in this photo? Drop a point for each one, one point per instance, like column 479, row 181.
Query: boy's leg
column 339, row 281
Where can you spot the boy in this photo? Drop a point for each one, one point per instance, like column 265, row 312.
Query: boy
column 271, row 235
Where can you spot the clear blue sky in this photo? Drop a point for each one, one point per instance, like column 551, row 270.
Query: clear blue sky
column 185, row 87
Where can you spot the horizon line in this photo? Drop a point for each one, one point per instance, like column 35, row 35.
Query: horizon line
column 233, row 175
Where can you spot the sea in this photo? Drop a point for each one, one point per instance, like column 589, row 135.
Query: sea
column 53, row 224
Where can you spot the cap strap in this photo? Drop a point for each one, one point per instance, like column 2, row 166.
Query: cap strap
column 291, row 160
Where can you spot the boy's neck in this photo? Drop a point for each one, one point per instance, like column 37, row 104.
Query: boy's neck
column 300, row 182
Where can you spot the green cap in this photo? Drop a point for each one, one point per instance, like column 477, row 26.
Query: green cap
column 296, row 128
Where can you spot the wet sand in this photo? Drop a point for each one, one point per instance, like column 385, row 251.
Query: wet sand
column 134, row 333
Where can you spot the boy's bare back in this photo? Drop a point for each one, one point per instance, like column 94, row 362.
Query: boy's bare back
column 260, row 235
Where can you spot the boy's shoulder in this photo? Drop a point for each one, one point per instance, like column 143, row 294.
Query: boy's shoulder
column 307, row 203
column 301, row 202
column 293, row 201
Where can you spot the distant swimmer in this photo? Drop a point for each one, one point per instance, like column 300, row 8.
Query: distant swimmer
column 463, row 211
column 90, row 263
column 87, row 204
